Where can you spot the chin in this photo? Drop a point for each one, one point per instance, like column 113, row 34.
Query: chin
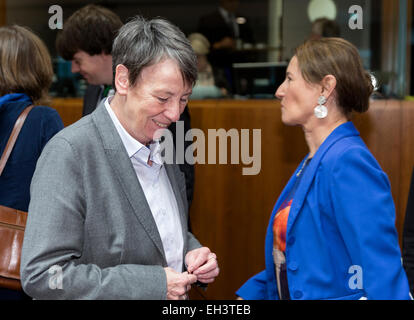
column 284, row 120
column 158, row 134
column 288, row 122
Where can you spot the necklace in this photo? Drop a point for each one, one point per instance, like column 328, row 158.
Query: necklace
column 303, row 166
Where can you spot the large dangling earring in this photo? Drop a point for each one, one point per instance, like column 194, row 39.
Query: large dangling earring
column 320, row 110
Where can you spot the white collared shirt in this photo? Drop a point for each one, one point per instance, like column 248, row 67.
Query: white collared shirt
column 158, row 192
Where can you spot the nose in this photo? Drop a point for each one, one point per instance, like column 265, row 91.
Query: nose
column 173, row 112
column 279, row 94
column 74, row 67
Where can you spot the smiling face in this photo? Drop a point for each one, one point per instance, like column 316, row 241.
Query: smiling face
column 298, row 97
column 96, row 69
column 154, row 102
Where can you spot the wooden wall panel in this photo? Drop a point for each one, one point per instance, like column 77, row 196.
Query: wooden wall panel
column 230, row 211
column 70, row 109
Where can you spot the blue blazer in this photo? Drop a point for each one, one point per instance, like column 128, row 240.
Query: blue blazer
column 341, row 241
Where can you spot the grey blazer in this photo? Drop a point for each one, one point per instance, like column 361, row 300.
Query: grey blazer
column 89, row 216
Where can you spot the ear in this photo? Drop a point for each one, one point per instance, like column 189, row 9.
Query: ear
column 121, row 79
column 328, row 85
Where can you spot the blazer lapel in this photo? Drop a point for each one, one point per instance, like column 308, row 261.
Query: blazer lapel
column 121, row 164
column 345, row 130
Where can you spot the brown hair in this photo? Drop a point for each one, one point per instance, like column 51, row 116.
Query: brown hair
column 25, row 63
column 91, row 29
column 338, row 57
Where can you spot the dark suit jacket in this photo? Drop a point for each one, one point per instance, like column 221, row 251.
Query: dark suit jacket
column 93, row 96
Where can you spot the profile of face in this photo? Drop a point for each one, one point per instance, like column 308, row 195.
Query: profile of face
column 298, row 97
column 96, row 69
column 154, row 102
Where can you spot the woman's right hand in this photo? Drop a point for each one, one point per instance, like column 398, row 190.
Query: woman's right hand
column 178, row 284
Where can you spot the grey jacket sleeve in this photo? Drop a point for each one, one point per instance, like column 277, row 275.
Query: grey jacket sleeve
column 192, row 242
column 54, row 264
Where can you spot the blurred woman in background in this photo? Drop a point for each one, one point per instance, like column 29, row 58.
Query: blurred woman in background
column 26, row 74
column 211, row 82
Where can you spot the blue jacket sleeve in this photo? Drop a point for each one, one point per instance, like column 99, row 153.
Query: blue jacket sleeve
column 365, row 214
column 254, row 288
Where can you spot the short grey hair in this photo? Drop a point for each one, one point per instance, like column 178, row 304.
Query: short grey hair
column 141, row 43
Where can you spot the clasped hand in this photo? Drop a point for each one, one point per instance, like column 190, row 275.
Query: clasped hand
column 201, row 266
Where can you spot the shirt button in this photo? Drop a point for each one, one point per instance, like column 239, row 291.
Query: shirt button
column 293, row 266
column 298, row 294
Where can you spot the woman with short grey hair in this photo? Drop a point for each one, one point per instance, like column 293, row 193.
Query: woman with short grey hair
column 111, row 214
column 141, row 43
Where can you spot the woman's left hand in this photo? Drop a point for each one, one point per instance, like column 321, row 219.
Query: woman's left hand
column 202, row 263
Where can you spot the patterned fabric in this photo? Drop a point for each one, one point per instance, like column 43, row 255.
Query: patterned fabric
column 279, row 238
column 279, row 226
column 279, row 247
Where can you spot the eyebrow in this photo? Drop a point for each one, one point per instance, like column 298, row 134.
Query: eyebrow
column 289, row 75
column 171, row 93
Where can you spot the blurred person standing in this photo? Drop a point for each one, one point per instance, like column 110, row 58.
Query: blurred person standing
column 86, row 40
column 211, row 82
column 26, row 75
column 225, row 35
